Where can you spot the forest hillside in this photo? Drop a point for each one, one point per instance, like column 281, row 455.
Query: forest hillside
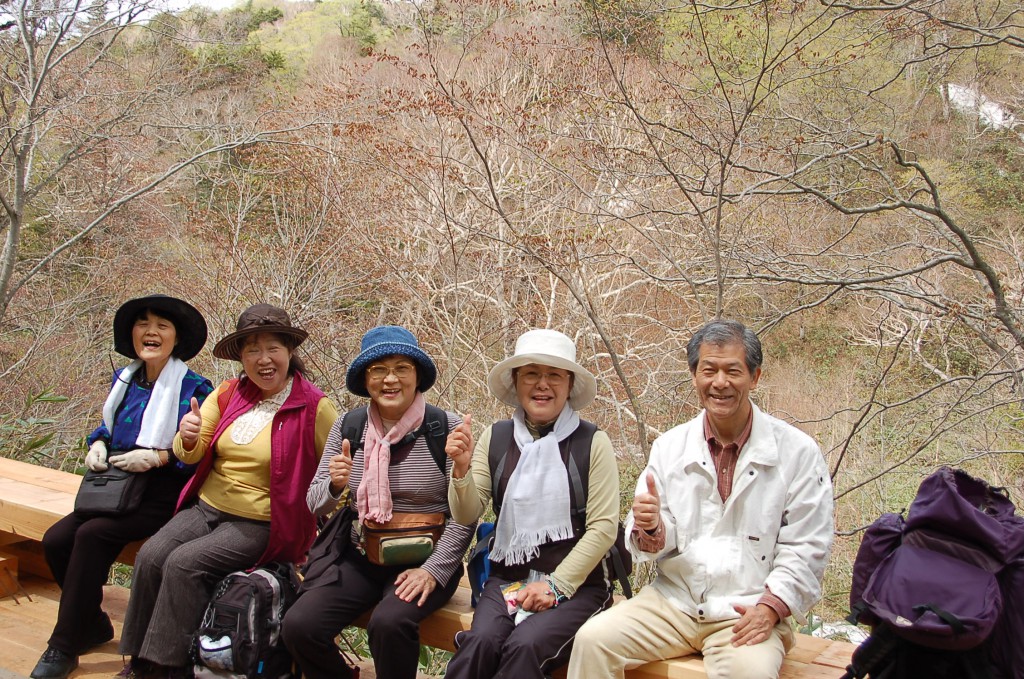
column 847, row 178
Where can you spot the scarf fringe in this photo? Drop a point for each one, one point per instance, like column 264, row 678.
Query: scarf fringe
column 527, row 546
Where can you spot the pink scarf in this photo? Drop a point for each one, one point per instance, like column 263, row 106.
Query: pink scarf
column 373, row 499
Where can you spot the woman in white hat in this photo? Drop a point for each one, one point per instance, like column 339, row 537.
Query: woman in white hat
column 534, row 467
column 140, row 417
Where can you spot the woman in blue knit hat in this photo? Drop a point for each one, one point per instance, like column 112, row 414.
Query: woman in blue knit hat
column 401, row 555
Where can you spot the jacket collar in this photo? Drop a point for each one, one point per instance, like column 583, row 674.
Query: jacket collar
column 760, row 448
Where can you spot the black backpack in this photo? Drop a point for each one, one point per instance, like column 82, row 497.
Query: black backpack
column 434, row 428
column 618, row 561
column 240, row 635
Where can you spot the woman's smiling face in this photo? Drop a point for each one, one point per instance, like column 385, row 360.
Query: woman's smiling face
column 542, row 391
column 391, row 383
column 265, row 357
column 154, row 338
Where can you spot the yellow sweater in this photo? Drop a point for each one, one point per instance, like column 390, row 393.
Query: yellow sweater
column 239, row 482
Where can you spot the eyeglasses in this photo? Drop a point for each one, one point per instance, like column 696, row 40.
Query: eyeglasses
column 531, row 377
column 401, row 371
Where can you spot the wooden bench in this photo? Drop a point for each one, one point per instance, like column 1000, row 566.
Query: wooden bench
column 32, row 498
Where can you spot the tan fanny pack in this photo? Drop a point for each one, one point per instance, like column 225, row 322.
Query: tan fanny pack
column 406, row 540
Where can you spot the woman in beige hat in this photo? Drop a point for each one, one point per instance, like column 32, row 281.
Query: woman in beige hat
column 555, row 488
column 256, row 441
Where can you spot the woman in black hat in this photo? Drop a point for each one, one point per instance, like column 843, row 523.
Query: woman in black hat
column 256, row 442
column 140, row 417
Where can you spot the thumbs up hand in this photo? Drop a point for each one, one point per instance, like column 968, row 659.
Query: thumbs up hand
column 190, row 425
column 460, row 447
column 340, row 467
column 647, row 506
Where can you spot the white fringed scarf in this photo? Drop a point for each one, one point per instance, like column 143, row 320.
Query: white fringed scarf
column 536, row 504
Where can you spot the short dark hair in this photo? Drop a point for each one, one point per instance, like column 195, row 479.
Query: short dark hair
column 721, row 332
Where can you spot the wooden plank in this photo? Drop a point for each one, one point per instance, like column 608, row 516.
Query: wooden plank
column 837, row 655
column 8, row 574
column 25, row 627
column 36, row 475
column 31, row 559
column 28, row 510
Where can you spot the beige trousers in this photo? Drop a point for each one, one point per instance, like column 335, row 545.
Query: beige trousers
column 648, row 628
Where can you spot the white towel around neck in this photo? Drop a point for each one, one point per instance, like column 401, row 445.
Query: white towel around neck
column 160, row 417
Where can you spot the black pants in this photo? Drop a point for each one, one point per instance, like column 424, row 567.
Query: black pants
column 80, row 550
column 313, row 621
column 496, row 647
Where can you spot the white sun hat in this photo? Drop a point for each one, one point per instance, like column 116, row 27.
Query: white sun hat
column 543, row 347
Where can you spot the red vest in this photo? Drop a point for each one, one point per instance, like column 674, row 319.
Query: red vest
column 293, row 462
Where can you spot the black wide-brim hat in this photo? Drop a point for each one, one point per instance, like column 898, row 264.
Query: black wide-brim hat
column 189, row 324
column 258, row 318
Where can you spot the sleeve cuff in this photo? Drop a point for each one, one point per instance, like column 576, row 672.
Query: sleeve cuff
column 650, row 542
column 775, row 603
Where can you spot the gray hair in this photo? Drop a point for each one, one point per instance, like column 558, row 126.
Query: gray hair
column 721, row 332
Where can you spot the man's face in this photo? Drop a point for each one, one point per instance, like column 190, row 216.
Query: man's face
column 723, row 384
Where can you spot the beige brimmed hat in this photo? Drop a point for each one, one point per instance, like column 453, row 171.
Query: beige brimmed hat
column 543, row 347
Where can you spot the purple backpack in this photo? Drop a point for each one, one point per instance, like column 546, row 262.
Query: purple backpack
column 1007, row 649
column 935, row 578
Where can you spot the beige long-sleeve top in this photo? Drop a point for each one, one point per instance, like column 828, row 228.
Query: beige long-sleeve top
column 468, row 498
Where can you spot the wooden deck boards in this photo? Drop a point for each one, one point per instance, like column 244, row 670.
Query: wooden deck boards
column 25, row 627
column 27, row 619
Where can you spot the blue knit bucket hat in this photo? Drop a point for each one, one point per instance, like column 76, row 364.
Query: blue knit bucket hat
column 389, row 340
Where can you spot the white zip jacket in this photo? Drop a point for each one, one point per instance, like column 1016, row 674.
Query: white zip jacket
column 775, row 529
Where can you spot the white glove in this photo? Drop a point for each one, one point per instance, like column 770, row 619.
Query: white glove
column 138, row 460
column 96, row 458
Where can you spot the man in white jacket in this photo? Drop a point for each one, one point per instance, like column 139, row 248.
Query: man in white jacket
column 735, row 509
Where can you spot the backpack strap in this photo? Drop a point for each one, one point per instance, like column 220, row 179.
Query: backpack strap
column 434, row 429
column 352, row 425
column 579, row 465
column 619, row 565
column 579, row 469
column 497, row 451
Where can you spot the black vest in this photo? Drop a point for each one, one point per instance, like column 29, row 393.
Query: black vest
column 551, row 553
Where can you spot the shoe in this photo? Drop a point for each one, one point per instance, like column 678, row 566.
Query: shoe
column 137, row 668
column 54, row 664
column 100, row 633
